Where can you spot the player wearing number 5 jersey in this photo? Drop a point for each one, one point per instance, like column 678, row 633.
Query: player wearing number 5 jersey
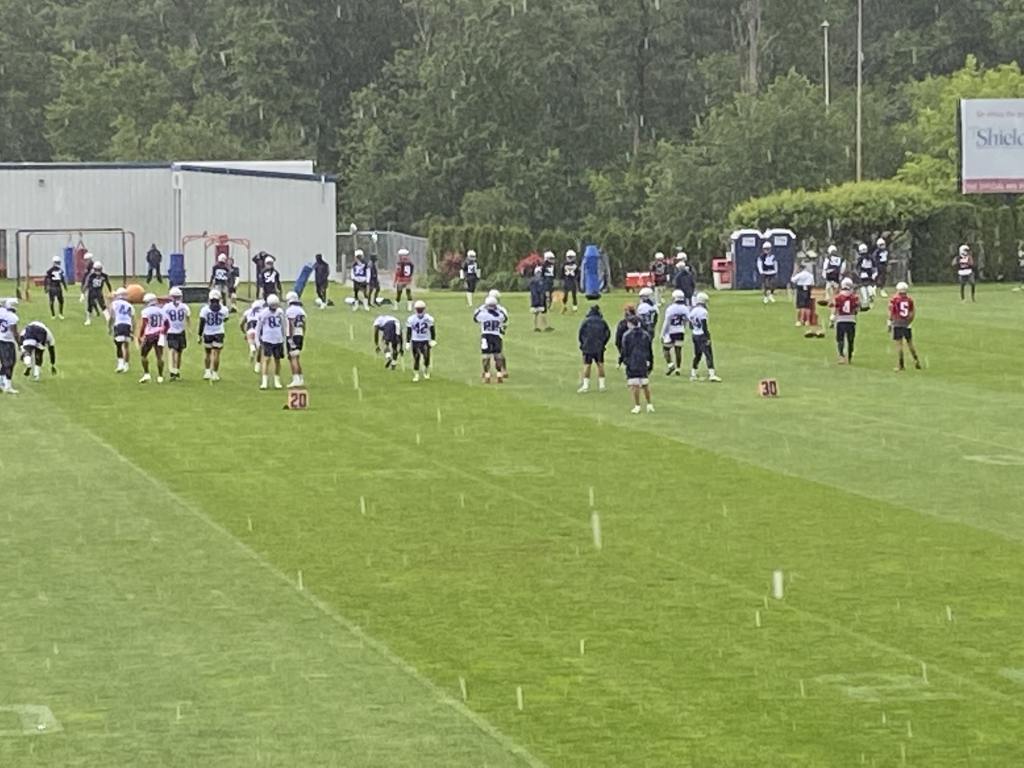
column 422, row 336
column 901, row 317
column 492, row 319
column 845, row 308
column 176, row 315
column 270, row 330
column 295, row 317
column 151, row 338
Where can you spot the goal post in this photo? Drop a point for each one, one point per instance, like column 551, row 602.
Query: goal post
column 34, row 250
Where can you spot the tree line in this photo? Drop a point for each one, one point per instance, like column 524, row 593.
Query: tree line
column 575, row 115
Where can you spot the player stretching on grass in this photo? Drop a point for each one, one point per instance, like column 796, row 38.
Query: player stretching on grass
column 845, row 307
column 152, row 325
column 34, row 339
column 421, row 335
column 492, row 320
column 386, row 327
column 901, row 317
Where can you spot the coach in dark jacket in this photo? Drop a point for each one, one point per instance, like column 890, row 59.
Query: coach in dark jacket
column 594, row 336
column 321, row 278
column 622, row 327
column 153, row 260
column 638, row 358
column 683, row 280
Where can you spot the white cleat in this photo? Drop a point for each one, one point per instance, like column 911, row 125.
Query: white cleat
column 415, row 378
column 694, row 377
column 277, row 383
column 263, row 386
column 426, row 375
column 650, row 408
column 713, row 377
column 765, row 300
column 256, row 368
column 159, row 379
column 214, row 376
column 88, row 321
column 146, row 378
column 636, row 409
column 60, row 317
column 602, row 388
column 9, row 390
column 582, row 390
column 294, row 383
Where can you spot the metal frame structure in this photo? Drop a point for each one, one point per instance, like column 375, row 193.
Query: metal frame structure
column 69, row 231
column 221, row 239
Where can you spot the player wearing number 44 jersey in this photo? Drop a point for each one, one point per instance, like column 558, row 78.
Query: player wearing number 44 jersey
column 176, row 317
column 121, row 320
column 901, row 317
column 492, row 319
column 295, row 317
column 152, row 328
column 422, row 337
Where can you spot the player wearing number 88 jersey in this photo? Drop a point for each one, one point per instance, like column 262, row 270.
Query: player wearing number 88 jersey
column 177, row 315
column 295, row 317
column 901, row 317
column 492, row 320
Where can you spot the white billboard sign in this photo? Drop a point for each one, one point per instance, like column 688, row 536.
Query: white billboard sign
column 992, row 146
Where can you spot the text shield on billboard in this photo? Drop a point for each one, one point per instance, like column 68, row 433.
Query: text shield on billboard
column 992, row 146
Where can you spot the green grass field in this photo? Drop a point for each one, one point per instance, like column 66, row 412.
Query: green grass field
column 153, row 539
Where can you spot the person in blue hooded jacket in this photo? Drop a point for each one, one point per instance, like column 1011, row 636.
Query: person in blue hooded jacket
column 539, row 301
column 594, row 336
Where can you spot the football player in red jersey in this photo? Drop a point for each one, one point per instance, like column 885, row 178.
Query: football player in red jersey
column 964, row 263
column 845, row 307
column 403, row 278
column 901, row 317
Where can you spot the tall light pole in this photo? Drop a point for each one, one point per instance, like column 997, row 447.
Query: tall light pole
column 860, row 89
column 828, row 84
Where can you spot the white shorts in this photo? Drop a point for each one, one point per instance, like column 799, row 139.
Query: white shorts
column 638, row 382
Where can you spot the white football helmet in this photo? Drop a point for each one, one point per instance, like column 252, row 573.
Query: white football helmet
column 681, row 256
column 832, row 250
column 490, row 301
column 965, row 249
column 495, row 293
column 470, row 254
column 570, row 254
column 701, row 298
column 846, row 284
column 97, row 266
column 56, row 259
column 862, row 248
column 902, row 287
column 291, row 297
column 222, row 258
column 272, row 300
column 149, row 298
column 659, row 256
column 881, row 242
column 645, row 293
column 549, row 255
column 359, row 253
column 678, row 296
column 259, row 304
column 175, row 293
column 122, row 291
column 403, row 252
column 214, row 295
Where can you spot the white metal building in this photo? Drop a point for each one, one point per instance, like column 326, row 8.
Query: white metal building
column 282, row 208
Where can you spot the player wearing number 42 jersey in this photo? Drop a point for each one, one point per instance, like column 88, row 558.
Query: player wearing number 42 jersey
column 422, row 337
column 901, row 317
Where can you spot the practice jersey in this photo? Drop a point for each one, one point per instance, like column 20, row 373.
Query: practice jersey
column 648, row 314
column 214, row 319
column 221, row 274
column 420, row 327
column 660, row 271
column 55, row 277
column 8, row 322
column 153, row 321
column 965, row 265
column 570, row 270
column 360, row 273
column 804, row 283
column 36, row 334
column 882, row 257
column 252, row 318
column 122, row 312
column 94, row 281
column 846, row 306
column 901, row 311
column 177, row 316
column 699, row 322
column 834, row 268
column 271, row 326
column 768, row 264
column 676, row 316
column 471, row 268
column 492, row 321
column 384, row 321
column 270, row 279
column 403, row 271
column 296, row 316
column 548, row 270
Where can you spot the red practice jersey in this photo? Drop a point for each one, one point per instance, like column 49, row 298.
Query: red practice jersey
column 846, row 306
column 901, row 310
column 403, row 272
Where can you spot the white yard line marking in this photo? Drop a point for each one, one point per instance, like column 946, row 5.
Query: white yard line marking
column 377, row 646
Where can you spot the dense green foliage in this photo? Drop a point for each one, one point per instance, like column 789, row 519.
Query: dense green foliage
column 654, row 116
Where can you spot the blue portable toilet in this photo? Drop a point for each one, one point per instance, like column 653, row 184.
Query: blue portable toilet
column 745, row 247
column 785, row 246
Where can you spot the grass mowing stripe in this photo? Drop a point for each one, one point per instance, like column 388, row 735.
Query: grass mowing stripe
column 378, row 647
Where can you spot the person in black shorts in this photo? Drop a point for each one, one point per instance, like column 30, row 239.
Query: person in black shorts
column 56, row 282
column 35, row 338
column 593, row 337
column 93, row 283
column 548, row 273
column 570, row 281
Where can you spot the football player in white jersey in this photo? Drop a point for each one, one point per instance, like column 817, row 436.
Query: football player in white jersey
column 421, row 335
column 492, row 342
column 176, row 315
column 36, row 337
column 673, row 332
column 8, row 345
column 250, row 319
column 213, row 318
column 120, row 321
column 701, row 335
column 270, row 329
column 387, row 328
column 152, row 328
column 295, row 319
